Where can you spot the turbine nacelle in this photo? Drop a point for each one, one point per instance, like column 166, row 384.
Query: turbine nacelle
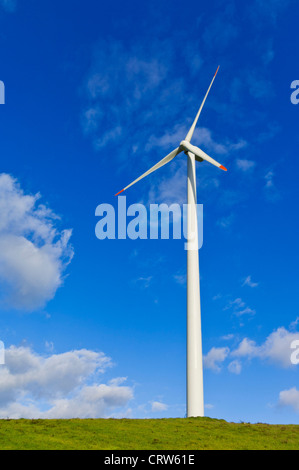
column 200, row 154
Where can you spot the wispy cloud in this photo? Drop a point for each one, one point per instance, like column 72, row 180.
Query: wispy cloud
column 228, row 337
column 245, row 165
column 226, row 222
column 271, row 192
column 258, row 86
column 144, row 282
column 9, row 5
column 269, row 11
column 121, row 86
column 180, row 278
column 239, row 307
column 223, row 29
column 248, row 282
column 130, row 89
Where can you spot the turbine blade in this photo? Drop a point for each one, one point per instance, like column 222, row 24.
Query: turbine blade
column 191, row 130
column 201, row 155
column 161, row 163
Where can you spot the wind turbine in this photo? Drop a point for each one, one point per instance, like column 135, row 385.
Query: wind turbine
column 195, row 398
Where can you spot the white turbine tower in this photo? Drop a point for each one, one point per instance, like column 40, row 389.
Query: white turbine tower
column 195, row 400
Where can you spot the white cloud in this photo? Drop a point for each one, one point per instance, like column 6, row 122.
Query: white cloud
column 164, row 192
column 108, row 137
column 228, row 337
column 118, row 381
column 259, row 87
column 202, row 137
column 245, row 165
column 90, row 119
column 226, row 222
column 9, row 5
column 180, row 279
column 159, row 406
column 221, row 31
column 269, row 179
column 62, row 385
column 132, row 77
column 267, row 11
column 293, row 324
column 239, row 307
column 271, row 192
column 214, row 357
column 33, row 253
column 209, row 406
column 169, row 139
column 289, row 398
column 144, row 282
column 235, row 367
column 247, row 348
column 162, row 188
column 151, row 93
column 248, row 282
column 275, row 349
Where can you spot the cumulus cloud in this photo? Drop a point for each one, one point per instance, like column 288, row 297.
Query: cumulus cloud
column 275, row 349
column 215, row 357
column 159, row 406
column 247, row 348
column 65, row 385
column 289, row 398
column 33, row 252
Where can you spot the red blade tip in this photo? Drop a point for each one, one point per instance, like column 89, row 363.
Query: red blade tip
column 217, row 70
column 223, row 168
column 119, row 192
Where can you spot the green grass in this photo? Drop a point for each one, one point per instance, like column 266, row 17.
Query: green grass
column 150, row 434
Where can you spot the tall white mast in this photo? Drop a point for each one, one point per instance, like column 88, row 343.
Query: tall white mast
column 195, row 397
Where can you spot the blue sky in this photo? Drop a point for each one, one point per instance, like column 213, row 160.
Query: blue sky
column 96, row 93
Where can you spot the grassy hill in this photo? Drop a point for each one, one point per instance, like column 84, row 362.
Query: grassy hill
column 149, row 434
